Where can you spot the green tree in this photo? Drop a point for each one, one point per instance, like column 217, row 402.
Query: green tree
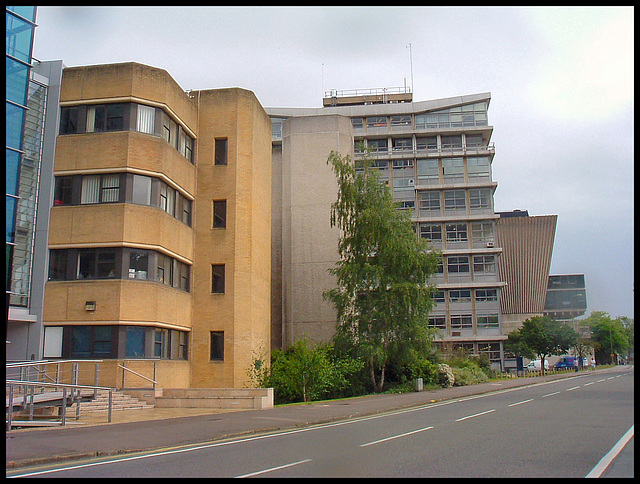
column 540, row 337
column 609, row 336
column 382, row 297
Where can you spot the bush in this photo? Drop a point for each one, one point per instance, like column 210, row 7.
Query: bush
column 303, row 373
column 469, row 375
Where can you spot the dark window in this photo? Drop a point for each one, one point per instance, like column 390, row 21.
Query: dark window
column 219, row 214
column 217, row 278
column 221, row 151
column 164, row 272
column 63, row 190
column 135, row 341
column 138, row 264
column 161, row 343
column 70, row 120
column 97, row 264
column 58, row 265
column 108, row 117
column 217, row 345
column 92, row 341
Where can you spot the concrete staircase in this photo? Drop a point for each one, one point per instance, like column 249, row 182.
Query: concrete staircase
column 120, row 401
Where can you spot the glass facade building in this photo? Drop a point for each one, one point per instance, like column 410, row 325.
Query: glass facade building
column 20, row 26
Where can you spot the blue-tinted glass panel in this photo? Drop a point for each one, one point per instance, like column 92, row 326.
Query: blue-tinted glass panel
column 15, row 122
column 135, row 342
column 12, row 170
column 11, row 214
column 19, row 38
column 17, row 81
column 28, row 12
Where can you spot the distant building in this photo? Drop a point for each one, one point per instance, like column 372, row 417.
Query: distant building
column 527, row 246
column 436, row 158
column 566, row 297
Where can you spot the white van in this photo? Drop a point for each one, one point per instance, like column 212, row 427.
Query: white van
column 535, row 365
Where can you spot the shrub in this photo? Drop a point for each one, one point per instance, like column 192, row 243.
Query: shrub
column 446, row 378
column 468, row 375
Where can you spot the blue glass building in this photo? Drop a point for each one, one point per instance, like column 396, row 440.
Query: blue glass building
column 20, row 23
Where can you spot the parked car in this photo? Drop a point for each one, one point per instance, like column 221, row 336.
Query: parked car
column 535, row 365
column 566, row 363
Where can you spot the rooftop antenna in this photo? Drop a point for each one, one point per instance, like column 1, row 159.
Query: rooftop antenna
column 411, row 60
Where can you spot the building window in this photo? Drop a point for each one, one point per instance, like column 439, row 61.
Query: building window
column 479, row 167
column 70, row 119
column 432, row 232
column 219, row 214
column 453, row 170
column 377, row 145
column 377, row 122
column 429, row 170
column 401, row 121
column 488, row 321
column 217, row 346
column 141, row 190
column 63, row 191
column 481, row 232
column 357, row 123
column 91, row 341
column 169, row 130
column 221, row 151
column 58, row 265
column 458, row 264
column 485, row 295
column 439, row 322
column 164, row 269
column 461, row 321
column 161, row 343
column 107, row 117
column 97, row 264
column 135, row 341
column 138, row 264
column 146, row 119
column 451, row 142
column 430, row 201
column 480, row 198
column 484, row 263
column 456, row 232
column 100, row 188
column 459, row 295
column 402, row 144
column 217, row 278
column 186, row 146
column 454, row 200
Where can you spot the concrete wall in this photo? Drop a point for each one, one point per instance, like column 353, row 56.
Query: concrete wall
column 307, row 242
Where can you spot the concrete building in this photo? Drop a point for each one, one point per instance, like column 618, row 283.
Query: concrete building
column 160, row 228
column 436, row 157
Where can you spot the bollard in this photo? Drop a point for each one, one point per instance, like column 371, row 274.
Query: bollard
column 419, row 385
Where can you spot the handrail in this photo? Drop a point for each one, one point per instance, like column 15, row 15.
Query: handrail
column 137, row 374
column 12, row 383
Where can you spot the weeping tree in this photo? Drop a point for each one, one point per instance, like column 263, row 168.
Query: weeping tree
column 382, row 297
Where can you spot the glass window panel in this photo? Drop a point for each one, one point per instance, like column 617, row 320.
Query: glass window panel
column 87, row 264
column 138, row 264
column 90, row 189
column 135, row 341
column 142, row 189
column 110, row 188
column 106, row 265
column 81, row 337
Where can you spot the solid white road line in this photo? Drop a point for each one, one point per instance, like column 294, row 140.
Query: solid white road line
column 395, row 436
column 475, row 415
column 607, row 459
column 273, row 469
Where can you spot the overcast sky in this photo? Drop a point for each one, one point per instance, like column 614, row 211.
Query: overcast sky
column 561, row 84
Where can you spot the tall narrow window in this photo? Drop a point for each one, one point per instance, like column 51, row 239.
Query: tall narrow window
column 217, row 278
column 146, row 119
column 90, row 189
column 219, row 214
column 217, row 345
column 110, row 190
column 221, row 151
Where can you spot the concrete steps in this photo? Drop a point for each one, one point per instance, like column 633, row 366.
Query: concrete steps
column 120, row 401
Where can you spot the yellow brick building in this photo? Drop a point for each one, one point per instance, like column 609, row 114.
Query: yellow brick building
column 160, row 231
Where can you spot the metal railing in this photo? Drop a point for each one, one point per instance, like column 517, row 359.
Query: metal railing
column 151, row 380
column 70, row 394
column 376, row 91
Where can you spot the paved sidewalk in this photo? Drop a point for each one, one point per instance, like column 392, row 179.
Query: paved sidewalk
column 138, row 430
